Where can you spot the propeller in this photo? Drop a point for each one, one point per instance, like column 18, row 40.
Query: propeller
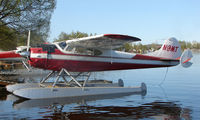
column 26, row 53
column 24, row 50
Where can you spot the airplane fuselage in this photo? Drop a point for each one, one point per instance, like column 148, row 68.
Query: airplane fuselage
column 108, row 60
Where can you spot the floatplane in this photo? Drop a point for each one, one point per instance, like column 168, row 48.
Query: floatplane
column 79, row 57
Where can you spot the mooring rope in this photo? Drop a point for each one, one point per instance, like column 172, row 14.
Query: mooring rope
column 164, row 77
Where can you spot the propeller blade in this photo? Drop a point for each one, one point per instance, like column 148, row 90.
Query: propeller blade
column 26, row 53
column 28, row 40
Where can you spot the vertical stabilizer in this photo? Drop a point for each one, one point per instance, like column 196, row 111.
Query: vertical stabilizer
column 171, row 49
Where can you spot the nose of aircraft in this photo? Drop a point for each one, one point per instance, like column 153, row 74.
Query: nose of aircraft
column 25, row 54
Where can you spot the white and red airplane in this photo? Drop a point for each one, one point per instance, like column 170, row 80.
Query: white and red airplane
column 91, row 54
column 96, row 54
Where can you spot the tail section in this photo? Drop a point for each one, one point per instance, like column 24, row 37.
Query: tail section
column 171, row 49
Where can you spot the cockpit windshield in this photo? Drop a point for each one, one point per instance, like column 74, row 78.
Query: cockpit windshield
column 62, row 44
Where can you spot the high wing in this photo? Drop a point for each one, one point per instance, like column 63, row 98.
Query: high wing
column 104, row 41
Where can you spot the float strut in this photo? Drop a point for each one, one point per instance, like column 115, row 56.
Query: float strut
column 85, row 82
column 72, row 78
column 59, row 74
column 47, row 77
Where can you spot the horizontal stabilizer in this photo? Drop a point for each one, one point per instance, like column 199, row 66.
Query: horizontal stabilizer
column 185, row 58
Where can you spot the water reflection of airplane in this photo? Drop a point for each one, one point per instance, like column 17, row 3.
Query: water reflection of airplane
column 20, row 103
column 90, row 54
column 154, row 110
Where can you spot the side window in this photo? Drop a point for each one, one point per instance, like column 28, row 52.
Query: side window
column 83, row 51
column 95, row 52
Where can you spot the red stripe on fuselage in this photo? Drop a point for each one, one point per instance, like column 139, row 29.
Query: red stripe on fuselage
column 145, row 57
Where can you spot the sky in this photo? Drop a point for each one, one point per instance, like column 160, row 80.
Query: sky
column 153, row 21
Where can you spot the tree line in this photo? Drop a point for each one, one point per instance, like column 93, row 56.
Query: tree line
column 140, row 48
column 73, row 35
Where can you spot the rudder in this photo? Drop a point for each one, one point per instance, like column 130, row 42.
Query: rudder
column 171, row 49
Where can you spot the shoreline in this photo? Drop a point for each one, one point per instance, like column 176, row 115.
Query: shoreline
column 195, row 50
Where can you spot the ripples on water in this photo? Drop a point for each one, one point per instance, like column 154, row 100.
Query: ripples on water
column 177, row 98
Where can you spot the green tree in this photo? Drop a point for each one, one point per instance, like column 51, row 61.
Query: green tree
column 189, row 45
column 128, row 47
column 183, row 45
column 19, row 16
column 73, row 35
column 195, row 45
column 8, row 39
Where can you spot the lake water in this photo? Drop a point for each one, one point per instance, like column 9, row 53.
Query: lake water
column 173, row 98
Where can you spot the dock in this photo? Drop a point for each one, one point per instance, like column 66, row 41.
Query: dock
column 8, row 77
